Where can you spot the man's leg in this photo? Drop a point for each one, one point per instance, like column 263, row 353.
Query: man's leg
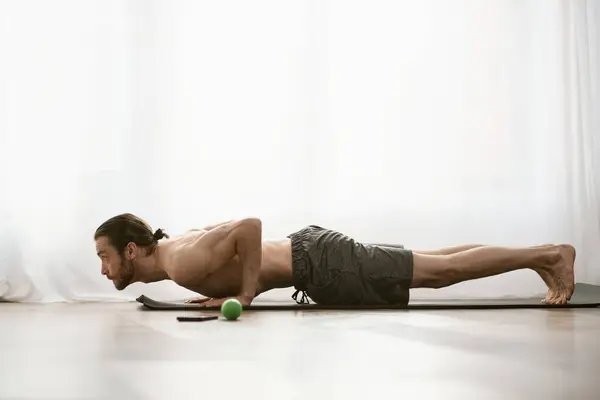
column 554, row 263
column 545, row 275
column 390, row 245
column 448, row 250
column 444, row 251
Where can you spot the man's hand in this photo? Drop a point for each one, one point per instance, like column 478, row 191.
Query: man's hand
column 208, row 302
column 197, row 300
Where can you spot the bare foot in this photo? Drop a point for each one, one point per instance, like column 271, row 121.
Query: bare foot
column 552, row 294
column 563, row 275
column 546, row 276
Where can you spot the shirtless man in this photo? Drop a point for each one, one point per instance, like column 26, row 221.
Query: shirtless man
column 231, row 259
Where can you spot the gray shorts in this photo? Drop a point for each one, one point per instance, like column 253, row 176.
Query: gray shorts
column 334, row 269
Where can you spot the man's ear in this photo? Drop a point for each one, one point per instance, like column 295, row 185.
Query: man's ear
column 131, row 251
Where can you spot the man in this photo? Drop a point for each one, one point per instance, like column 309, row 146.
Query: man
column 231, row 259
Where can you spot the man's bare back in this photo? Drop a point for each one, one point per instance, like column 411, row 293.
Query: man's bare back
column 231, row 259
column 206, row 262
column 227, row 260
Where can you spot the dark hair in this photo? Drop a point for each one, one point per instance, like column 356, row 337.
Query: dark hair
column 125, row 228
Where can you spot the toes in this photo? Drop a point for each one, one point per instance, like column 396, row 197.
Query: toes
column 561, row 299
column 555, row 299
column 551, row 297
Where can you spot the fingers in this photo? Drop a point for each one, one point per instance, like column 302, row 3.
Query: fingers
column 197, row 300
column 210, row 304
column 213, row 303
column 207, row 301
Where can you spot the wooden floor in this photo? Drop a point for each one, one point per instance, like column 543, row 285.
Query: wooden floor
column 117, row 351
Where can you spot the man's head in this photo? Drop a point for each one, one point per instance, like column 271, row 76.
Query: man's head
column 122, row 240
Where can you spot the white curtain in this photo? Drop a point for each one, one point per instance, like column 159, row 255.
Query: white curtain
column 429, row 123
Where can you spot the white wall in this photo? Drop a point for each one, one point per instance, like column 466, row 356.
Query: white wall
column 429, row 123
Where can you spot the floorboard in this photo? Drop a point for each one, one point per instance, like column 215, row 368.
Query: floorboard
column 116, row 351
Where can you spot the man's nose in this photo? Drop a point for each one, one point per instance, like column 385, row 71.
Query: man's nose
column 104, row 271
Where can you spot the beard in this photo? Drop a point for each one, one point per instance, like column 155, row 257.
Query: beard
column 125, row 275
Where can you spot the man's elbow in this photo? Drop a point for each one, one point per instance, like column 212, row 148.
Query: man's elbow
column 249, row 229
column 252, row 224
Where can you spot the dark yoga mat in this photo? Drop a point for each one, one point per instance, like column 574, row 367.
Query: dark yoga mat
column 585, row 296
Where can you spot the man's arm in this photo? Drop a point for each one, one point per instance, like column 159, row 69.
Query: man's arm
column 214, row 249
column 248, row 246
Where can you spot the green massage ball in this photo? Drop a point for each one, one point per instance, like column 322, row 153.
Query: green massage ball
column 231, row 309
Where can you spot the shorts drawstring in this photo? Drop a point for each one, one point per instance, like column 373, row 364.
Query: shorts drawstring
column 303, row 299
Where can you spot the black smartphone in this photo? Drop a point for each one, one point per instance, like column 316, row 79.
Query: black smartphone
column 198, row 319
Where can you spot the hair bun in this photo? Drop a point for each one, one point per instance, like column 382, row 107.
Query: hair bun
column 159, row 234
